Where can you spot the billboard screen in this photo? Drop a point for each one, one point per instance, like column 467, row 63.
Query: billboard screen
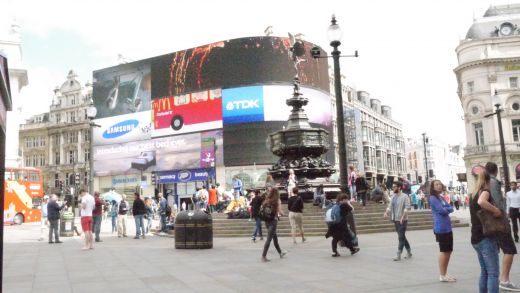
column 123, row 128
column 122, row 89
column 235, row 63
column 187, row 113
column 244, row 104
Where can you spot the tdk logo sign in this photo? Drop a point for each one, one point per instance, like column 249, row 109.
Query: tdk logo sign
column 244, row 104
column 120, row 128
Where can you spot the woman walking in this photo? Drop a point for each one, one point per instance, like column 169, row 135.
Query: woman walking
column 340, row 231
column 486, row 247
column 271, row 209
column 295, row 206
column 441, row 211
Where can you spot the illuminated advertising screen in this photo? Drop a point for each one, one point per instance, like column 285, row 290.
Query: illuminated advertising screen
column 244, row 104
column 122, row 89
column 123, row 128
column 187, row 113
column 5, row 98
column 235, row 63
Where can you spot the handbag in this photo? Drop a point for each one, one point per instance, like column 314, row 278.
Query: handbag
column 492, row 226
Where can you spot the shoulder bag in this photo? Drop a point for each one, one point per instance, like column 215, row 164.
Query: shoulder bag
column 492, row 226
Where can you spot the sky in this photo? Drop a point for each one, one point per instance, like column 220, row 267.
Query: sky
column 407, row 48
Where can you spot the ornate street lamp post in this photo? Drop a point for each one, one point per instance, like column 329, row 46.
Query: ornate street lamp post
column 425, row 141
column 91, row 114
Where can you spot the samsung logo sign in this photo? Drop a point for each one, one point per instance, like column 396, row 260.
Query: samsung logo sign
column 120, row 128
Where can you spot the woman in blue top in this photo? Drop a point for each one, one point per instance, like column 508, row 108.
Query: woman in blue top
column 442, row 228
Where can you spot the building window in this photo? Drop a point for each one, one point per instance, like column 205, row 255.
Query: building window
column 72, row 156
column 479, row 133
column 470, row 87
column 86, row 135
column 56, row 180
column 87, row 155
column 27, row 162
column 58, row 118
column 516, row 130
column 85, row 178
column 515, row 106
column 57, row 158
column 67, row 183
column 513, row 82
column 73, row 116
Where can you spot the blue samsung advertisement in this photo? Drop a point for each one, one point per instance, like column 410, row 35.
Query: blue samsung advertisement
column 242, row 105
column 176, row 176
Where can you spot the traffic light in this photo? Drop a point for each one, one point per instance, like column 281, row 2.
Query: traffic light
column 430, row 173
column 76, row 179
column 153, row 178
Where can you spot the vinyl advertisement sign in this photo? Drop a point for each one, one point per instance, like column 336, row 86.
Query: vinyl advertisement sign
column 123, row 128
column 177, row 176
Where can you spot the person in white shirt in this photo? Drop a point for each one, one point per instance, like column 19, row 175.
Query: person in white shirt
column 87, row 206
column 513, row 207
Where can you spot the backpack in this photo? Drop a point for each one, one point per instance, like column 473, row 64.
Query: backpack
column 267, row 212
column 333, row 215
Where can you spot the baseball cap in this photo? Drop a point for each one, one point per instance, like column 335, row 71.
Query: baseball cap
column 46, row 197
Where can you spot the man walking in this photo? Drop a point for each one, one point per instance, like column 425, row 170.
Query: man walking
column 505, row 241
column 361, row 189
column 121, row 217
column 256, row 203
column 87, row 206
column 53, row 214
column 97, row 216
column 162, row 212
column 398, row 208
column 513, row 207
column 138, row 209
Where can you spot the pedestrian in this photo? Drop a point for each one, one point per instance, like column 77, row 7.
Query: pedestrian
column 202, row 198
column 53, row 216
column 139, row 210
column 114, row 209
column 505, row 240
column 341, row 231
column 272, row 204
column 361, row 188
column 352, row 182
column 456, row 199
column 441, row 211
column 97, row 216
column 319, row 196
column 237, row 187
column 269, row 183
column 486, row 247
column 420, row 199
column 44, row 217
column 121, row 216
column 149, row 214
column 398, row 209
column 163, row 204
column 87, row 206
column 256, row 202
column 291, row 182
column 212, row 199
column 413, row 200
column 513, row 207
column 295, row 206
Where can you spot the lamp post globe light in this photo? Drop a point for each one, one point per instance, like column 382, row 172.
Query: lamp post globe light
column 91, row 114
column 334, row 36
column 496, row 101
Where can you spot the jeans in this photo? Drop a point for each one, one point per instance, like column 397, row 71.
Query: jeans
column 363, row 196
column 163, row 223
column 54, row 224
column 514, row 213
column 271, row 235
column 96, row 226
column 258, row 228
column 401, row 233
column 149, row 223
column 352, row 190
column 487, row 252
column 139, row 225
column 114, row 223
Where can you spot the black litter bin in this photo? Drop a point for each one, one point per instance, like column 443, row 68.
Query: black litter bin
column 193, row 230
column 67, row 224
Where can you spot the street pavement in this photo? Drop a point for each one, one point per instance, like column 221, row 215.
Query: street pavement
column 233, row 265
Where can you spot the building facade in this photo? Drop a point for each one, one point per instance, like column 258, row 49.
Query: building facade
column 488, row 74
column 58, row 142
column 444, row 161
column 11, row 48
column 375, row 142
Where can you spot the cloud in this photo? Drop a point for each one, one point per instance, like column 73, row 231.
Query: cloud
column 36, row 98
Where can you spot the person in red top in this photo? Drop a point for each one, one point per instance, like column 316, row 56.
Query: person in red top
column 97, row 215
column 212, row 199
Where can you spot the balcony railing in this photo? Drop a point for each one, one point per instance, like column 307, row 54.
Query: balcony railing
column 490, row 148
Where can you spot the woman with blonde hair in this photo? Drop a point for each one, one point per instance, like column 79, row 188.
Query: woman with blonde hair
column 271, row 209
column 441, row 211
column 485, row 246
column 291, row 182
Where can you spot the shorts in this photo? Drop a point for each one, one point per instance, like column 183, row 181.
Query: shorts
column 86, row 224
column 296, row 221
column 445, row 241
column 506, row 243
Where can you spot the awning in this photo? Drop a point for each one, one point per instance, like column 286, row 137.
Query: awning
column 188, row 175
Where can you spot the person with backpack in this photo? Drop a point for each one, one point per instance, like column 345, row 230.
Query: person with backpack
column 121, row 217
column 336, row 219
column 256, row 203
column 295, row 206
column 270, row 210
column 361, row 189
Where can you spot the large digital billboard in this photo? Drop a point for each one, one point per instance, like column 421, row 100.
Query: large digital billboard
column 122, row 89
column 244, row 104
column 235, row 63
column 190, row 112
column 123, row 128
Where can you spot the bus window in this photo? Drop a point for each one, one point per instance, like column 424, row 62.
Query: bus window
column 34, row 176
column 181, row 100
column 19, row 175
column 199, row 97
column 9, row 175
column 36, row 201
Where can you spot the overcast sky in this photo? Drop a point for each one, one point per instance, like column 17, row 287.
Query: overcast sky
column 407, row 48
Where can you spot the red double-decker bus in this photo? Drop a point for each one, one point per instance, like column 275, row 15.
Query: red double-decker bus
column 23, row 190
